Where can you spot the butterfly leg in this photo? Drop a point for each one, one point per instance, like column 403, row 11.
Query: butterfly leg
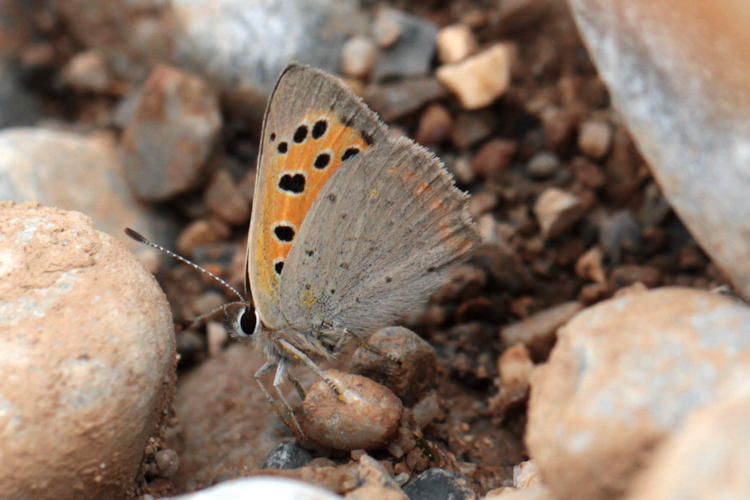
column 281, row 372
column 364, row 344
column 292, row 380
column 301, row 356
column 295, row 427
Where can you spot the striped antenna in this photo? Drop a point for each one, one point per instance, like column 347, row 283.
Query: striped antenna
column 142, row 239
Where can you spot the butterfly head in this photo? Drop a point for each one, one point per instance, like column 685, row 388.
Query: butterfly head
column 242, row 320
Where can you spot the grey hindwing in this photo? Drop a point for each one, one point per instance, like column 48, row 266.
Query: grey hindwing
column 379, row 239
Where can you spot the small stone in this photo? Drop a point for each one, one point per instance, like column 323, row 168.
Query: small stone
column 394, row 100
column 543, row 165
column 595, row 138
column 455, row 43
column 436, row 483
column 87, row 72
column 472, row 127
column 537, row 332
column 526, row 474
column 623, row 376
column 587, row 173
column 167, row 462
column 358, row 56
column 88, row 366
column 411, row 52
column 480, row 79
column 515, row 368
column 412, row 376
column 494, row 156
column 557, row 210
column 278, row 488
column 365, row 415
column 426, row 409
column 589, row 265
column 216, row 337
column 435, row 125
column 200, row 232
column 287, row 454
column 374, row 482
column 559, row 126
column 172, row 132
column 619, row 233
column 593, row 292
column 482, row 202
column 225, row 199
column 462, row 170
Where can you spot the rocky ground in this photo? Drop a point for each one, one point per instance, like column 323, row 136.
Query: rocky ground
column 147, row 114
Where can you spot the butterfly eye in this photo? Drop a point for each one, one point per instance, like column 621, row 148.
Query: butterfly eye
column 247, row 321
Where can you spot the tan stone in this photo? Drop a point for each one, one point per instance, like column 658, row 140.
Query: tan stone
column 455, row 43
column 480, row 79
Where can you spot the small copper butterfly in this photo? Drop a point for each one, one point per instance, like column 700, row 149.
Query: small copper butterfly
column 351, row 227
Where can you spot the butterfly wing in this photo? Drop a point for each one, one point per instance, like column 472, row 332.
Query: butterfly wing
column 313, row 125
column 379, row 239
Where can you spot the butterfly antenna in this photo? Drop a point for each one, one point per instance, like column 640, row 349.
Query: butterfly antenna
column 199, row 319
column 142, row 239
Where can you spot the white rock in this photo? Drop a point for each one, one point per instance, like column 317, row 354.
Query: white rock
column 556, row 210
column 276, row 488
column 622, row 377
column 87, row 357
column 685, row 96
column 480, row 79
column 455, row 43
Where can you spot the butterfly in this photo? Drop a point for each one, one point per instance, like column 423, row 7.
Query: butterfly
column 352, row 227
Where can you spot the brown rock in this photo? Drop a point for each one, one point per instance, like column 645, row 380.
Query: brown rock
column 200, row 232
column 629, row 274
column 166, row 144
column 375, row 482
column 455, row 43
column 589, row 265
column 514, row 367
column 587, row 173
column 435, row 125
column 225, row 199
column 595, row 138
column 87, row 72
column 482, row 202
column 537, row 332
column 472, row 127
column 480, row 79
column 493, row 157
column 405, row 363
column 88, row 358
column 365, row 415
column 556, row 210
column 623, row 375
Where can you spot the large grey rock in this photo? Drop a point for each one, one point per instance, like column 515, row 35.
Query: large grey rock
column 679, row 73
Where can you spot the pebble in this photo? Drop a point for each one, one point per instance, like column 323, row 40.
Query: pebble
column 287, row 454
column 629, row 274
column 225, row 199
column 374, row 482
column 435, row 124
column 587, row 173
column 472, row 127
column 706, row 457
column 671, row 111
column 595, row 138
column 537, row 332
column 622, row 377
column 88, row 357
column 589, row 265
column 366, row 414
column 166, row 145
column 439, row 484
column 31, row 160
column 514, row 368
column 455, row 43
column 556, row 211
column 277, row 488
column 87, row 72
column 494, row 156
column 394, row 100
column 559, row 125
column 412, row 376
column 543, row 165
column 410, row 54
column 480, row 79
column 167, row 462
column 619, row 234
column 481, row 202
column 358, row 57
column 200, row 232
